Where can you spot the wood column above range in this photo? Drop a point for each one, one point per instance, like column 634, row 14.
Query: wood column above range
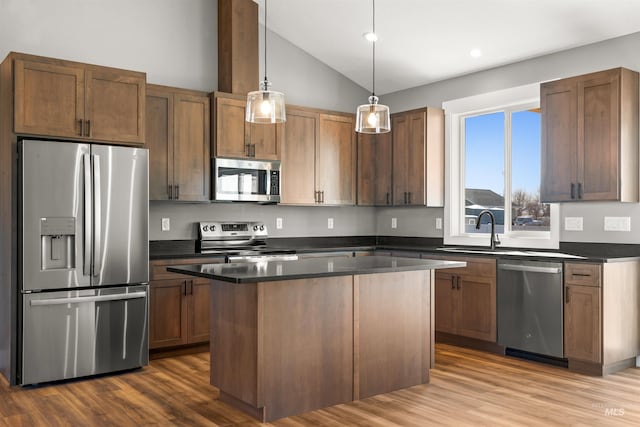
column 237, row 46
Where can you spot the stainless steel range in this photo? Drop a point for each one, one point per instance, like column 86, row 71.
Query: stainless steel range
column 239, row 242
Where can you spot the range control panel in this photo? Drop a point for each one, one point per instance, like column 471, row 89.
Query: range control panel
column 217, row 230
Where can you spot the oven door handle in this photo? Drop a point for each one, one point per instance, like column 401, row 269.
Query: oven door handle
column 530, row 269
column 258, row 258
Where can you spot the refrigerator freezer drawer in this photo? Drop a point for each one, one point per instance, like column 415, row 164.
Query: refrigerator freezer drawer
column 69, row 334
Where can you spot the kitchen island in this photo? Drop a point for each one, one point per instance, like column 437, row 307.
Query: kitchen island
column 292, row 336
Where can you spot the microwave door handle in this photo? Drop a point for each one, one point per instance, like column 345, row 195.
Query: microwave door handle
column 97, row 221
column 87, row 214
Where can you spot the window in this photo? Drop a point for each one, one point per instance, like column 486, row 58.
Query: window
column 493, row 153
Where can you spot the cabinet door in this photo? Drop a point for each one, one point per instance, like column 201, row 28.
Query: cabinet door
column 265, row 140
column 199, row 301
column 598, row 136
column 476, row 313
column 415, row 159
column 167, row 313
column 445, row 303
column 298, row 157
column 582, row 325
column 49, row 99
column 159, row 136
column 558, row 103
column 191, row 147
column 232, row 140
column 336, row 160
column 374, row 169
column 114, row 108
column 400, row 129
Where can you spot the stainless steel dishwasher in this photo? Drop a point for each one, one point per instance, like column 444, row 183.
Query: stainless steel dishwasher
column 530, row 304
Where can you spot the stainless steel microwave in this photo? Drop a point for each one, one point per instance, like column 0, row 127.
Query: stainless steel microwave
column 245, row 180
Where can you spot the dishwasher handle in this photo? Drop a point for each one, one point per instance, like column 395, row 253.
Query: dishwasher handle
column 530, row 268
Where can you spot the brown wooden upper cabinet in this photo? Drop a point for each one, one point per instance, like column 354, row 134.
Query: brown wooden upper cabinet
column 418, row 157
column 318, row 158
column 68, row 99
column 234, row 137
column 590, row 137
column 178, row 138
column 375, row 169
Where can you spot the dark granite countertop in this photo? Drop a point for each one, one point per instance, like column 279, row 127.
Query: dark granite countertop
column 581, row 252
column 308, row 268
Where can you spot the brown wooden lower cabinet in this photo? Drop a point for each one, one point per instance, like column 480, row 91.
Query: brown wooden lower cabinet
column 582, row 323
column 179, row 310
column 465, row 299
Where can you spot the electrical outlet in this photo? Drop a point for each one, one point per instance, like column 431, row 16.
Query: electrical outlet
column 330, row 223
column 166, row 224
column 438, row 223
column 394, row 222
column 279, row 223
column 573, row 223
column 617, row 223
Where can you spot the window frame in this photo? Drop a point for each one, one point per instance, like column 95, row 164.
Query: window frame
column 509, row 101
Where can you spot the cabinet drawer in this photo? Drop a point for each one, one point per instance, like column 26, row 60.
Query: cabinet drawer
column 158, row 268
column 582, row 274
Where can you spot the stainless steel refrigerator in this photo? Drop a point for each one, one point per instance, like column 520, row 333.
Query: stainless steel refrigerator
column 84, row 260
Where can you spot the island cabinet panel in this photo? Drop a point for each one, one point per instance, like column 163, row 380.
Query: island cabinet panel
column 590, row 137
column 393, row 338
column 68, row 99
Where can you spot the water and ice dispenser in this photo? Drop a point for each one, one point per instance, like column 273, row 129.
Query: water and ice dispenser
column 58, row 242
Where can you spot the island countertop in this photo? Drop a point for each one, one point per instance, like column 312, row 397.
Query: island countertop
column 266, row 271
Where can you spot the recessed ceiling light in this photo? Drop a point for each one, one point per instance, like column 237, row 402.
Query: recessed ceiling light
column 370, row 36
column 475, row 53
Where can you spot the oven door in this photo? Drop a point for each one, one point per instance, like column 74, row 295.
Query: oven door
column 246, row 180
column 69, row 334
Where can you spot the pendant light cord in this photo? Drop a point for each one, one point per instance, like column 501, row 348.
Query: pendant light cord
column 373, row 92
column 265, row 40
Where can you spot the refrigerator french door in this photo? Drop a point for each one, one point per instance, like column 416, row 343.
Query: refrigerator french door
column 84, row 259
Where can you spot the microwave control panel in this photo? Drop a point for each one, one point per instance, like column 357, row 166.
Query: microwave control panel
column 275, row 183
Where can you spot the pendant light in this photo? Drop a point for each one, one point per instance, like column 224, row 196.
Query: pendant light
column 373, row 117
column 264, row 105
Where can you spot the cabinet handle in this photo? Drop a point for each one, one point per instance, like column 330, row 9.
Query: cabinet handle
column 579, row 190
column 177, row 191
column 81, row 123
column 322, row 197
column 247, row 149
column 89, row 128
column 190, row 287
column 184, row 288
column 567, row 297
column 316, row 196
column 573, row 190
column 458, row 282
column 387, row 197
column 409, row 197
column 453, row 282
column 170, row 191
column 253, row 150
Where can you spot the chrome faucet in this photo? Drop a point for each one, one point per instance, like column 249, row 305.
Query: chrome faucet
column 494, row 237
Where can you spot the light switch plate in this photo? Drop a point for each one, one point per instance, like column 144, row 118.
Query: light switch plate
column 438, row 223
column 573, row 223
column 617, row 223
column 330, row 223
column 394, row 222
column 279, row 223
column 166, row 224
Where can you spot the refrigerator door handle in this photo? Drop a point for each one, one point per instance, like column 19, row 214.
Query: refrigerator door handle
column 97, row 217
column 87, row 214
column 81, row 300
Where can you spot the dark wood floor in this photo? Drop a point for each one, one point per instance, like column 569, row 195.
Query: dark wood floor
column 467, row 388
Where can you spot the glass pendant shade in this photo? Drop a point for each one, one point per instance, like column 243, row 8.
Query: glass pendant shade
column 265, row 106
column 373, row 117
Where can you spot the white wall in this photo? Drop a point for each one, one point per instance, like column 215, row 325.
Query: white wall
column 618, row 52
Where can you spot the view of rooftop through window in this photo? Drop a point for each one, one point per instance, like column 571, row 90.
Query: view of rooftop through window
column 487, row 140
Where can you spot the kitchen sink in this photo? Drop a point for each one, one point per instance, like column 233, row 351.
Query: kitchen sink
column 508, row 252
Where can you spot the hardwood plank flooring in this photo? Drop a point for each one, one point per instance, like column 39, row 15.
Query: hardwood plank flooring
column 467, row 387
